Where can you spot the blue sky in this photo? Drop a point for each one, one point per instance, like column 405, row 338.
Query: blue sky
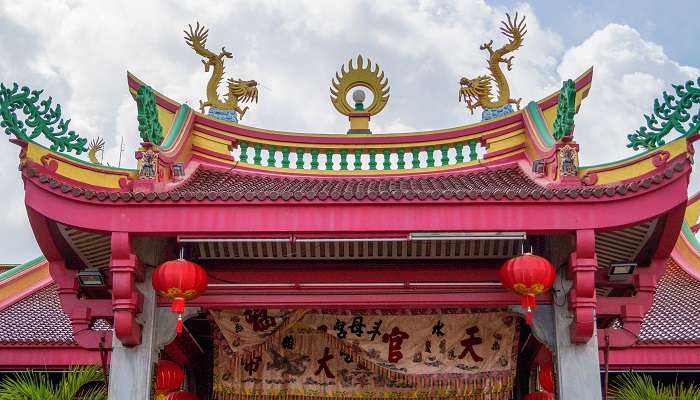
column 79, row 52
column 670, row 23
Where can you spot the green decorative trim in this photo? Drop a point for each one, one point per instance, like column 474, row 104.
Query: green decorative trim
column 41, row 118
column 415, row 161
column 358, row 160
column 149, row 127
column 16, row 270
column 329, row 160
column 431, row 156
column 271, row 161
column 257, row 158
column 387, row 159
column 285, row 157
column 566, row 109
column 244, row 152
column 473, row 155
column 459, row 157
column 670, row 114
column 444, row 159
column 359, row 131
column 300, row 158
column 540, row 125
column 401, row 163
column 314, row 159
column 180, row 118
column 373, row 159
column 690, row 236
column 344, row 160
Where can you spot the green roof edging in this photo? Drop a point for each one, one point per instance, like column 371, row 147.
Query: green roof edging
column 685, row 229
column 180, row 118
column 20, row 268
column 541, row 127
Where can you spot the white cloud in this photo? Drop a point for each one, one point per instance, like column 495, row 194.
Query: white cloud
column 629, row 72
column 80, row 51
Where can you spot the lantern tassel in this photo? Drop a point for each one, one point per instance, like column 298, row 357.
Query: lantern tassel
column 178, row 305
column 179, row 325
column 528, row 303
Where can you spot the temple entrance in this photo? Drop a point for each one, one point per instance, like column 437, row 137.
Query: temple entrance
column 460, row 353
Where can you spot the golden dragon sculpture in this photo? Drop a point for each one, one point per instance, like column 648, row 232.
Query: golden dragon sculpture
column 477, row 92
column 238, row 89
column 96, row 145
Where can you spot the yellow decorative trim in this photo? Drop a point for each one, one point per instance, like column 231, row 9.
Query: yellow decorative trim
column 506, row 141
column 94, row 175
column 36, row 276
column 618, row 171
column 217, row 159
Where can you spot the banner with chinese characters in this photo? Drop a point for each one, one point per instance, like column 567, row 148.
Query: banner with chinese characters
column 467, row 354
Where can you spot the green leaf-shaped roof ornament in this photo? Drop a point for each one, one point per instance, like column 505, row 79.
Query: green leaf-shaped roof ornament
column 40, row 119
column 149, row 127
column 566, row 109
column 670, row 113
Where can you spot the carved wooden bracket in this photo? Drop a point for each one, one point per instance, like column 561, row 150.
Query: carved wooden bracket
column 582, row 299
column 127, row 300
column 631, row 310
column 82, row 312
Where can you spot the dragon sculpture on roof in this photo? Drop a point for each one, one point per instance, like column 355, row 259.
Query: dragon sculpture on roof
column 477, row 92
column 238, row 90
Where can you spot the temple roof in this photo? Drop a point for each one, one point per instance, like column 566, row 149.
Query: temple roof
column 505, row 182
column 674, row 316
column 36, row 319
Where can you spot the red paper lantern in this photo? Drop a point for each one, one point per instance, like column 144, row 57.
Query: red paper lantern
column 181, row 396
column 546, row 376
column 169, row 376
column 539, row 396
column 179, row 280
column 528, row 275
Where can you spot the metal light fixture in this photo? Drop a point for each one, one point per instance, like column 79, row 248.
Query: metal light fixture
column 621, row 270
column 91, row 277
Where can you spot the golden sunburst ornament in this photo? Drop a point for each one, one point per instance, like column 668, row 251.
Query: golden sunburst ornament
column 362, row 75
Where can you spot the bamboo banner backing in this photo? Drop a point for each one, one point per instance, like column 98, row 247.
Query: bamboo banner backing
column 392, row 354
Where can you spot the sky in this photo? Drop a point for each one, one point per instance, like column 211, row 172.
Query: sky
column 79, row 52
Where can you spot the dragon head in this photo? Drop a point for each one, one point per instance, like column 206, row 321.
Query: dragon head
column 244, row 91
column 474, row 89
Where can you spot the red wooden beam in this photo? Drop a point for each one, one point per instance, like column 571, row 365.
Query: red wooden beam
column 388, row 298
column 360, row 271
column 14, row 358
column 655, row 357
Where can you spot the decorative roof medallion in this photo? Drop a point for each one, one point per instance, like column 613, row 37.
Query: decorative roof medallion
column 355, row 77
column 238, row 90
column 477, row 92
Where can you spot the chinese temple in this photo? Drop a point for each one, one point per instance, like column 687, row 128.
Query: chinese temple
column 475, row 262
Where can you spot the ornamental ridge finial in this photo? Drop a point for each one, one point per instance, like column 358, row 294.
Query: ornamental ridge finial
column 238, row 90
column 476, row 92
column 361, row 76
